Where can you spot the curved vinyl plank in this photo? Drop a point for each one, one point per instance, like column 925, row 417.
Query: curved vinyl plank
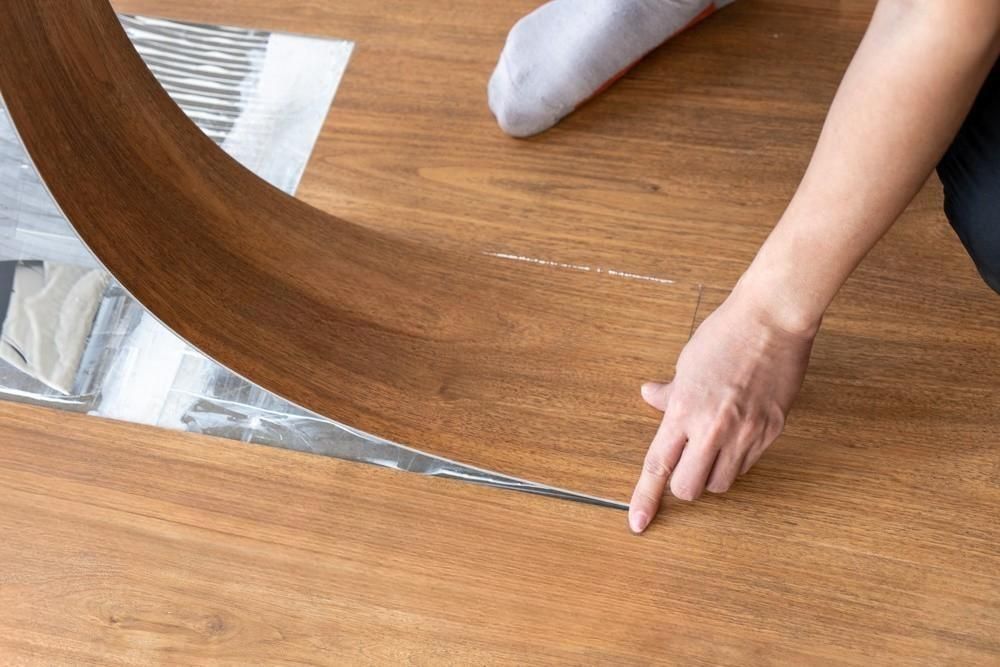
column 510, row 366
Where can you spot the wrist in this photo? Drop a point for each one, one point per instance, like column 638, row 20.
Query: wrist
column 777, row 302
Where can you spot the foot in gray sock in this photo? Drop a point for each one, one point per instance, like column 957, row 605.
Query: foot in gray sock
column 567, row 51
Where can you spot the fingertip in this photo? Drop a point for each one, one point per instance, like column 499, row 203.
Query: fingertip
column 656, row 394
column 648, row 390
column 638, row 521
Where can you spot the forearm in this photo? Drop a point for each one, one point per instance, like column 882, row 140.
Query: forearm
column 901, row 101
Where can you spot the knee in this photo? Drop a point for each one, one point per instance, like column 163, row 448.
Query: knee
column 990, row 272
column 977, row 222
column 985, row 251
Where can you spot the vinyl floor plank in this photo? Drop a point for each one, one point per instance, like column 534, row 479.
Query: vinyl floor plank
column 128, row 545
column 493, row 360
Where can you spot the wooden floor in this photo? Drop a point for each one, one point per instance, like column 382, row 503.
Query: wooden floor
column 124, row 545
column 869, row 534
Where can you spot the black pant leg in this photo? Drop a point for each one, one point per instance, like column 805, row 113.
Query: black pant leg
column 970, row 172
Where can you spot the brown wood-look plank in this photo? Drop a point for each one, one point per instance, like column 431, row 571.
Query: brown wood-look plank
column 497, row 363
column 123, row 545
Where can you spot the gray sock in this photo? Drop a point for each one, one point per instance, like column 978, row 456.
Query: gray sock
column 566, row 51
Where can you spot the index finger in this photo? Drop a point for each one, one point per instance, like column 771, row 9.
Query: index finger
column 663, row 454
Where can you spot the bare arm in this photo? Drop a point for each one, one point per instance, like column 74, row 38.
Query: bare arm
column 912, row 81
column 902, row 100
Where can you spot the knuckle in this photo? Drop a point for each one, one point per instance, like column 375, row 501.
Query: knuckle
column 712, row 432
column 774, row 426
column 680, row 406
column 648, row 499
column 683, row 490
column 732, row 404
column 655, row 466
column 727, row 419
column 749, row 430
column 719, row 486
column 734, row 411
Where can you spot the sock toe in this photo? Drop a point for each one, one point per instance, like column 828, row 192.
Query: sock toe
column 522, row 86
column 516, row 115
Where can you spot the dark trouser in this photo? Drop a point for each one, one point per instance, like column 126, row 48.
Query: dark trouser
column 970, row 172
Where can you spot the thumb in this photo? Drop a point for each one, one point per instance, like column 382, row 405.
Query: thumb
column 657, row 394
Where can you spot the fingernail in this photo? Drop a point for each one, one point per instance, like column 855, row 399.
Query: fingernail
column 637, row 522
column 648, row 389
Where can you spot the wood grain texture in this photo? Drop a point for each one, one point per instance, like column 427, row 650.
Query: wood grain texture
column 679, row 171
column 868, row 534
column 124, row 545
column 496, row 363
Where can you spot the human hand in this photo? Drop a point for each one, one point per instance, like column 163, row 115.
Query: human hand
column 736, row 380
